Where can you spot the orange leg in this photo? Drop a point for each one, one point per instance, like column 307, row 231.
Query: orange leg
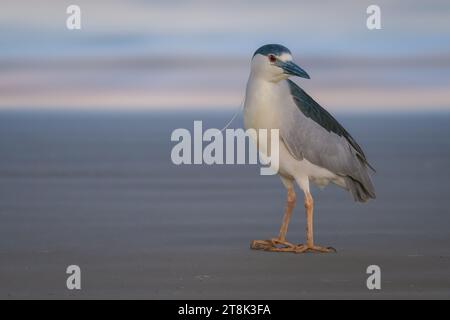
column 310, row 247
column 309, row 206
column 290, row 204
column 280, row 244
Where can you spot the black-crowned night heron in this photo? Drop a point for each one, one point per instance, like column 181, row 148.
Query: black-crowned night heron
column 313, row 146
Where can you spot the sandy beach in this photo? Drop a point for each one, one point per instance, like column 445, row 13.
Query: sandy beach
column 99, row 190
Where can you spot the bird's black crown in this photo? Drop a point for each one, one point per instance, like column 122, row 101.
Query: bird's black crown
column 276, row 49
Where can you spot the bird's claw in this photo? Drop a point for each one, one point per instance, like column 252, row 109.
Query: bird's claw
column 277, row 245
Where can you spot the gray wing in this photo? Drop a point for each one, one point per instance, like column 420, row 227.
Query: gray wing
column 310, row 132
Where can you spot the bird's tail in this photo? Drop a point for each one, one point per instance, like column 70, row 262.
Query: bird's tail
column 361, row 186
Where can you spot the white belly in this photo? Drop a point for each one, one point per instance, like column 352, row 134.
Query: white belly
column 304, row 171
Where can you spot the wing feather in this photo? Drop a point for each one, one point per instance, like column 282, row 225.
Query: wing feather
column 311, row 132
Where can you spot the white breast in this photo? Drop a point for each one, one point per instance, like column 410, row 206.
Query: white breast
column 262, row 101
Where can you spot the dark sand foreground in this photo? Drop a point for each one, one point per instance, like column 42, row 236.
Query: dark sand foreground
column 100, row 191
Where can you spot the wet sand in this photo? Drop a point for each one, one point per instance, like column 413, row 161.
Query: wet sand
column 100, row 191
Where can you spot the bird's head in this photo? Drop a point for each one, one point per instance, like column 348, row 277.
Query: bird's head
column 273, row 62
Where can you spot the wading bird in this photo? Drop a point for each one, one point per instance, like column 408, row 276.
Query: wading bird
column 313, row 146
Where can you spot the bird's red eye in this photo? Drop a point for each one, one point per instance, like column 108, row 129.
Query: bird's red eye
column 272, row 58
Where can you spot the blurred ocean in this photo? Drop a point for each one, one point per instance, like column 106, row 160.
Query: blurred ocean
column 159, row 55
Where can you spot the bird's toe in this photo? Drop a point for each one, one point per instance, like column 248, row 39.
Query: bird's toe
column 319, row 249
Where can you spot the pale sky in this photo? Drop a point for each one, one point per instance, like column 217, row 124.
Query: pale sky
column 139, row 54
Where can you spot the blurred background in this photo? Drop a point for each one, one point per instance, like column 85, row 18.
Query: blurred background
column 149, row 55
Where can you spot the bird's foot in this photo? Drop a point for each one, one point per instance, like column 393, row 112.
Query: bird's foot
column 274, row 245
column 277, row 245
